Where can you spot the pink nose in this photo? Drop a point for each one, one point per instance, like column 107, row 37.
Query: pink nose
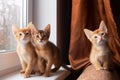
column 99, row 39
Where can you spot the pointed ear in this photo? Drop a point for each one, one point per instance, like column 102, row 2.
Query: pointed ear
column 32, row 28
column 88, row 33
column 29, row 25
column 15, row 29
column 103, row 26
column 47, row 28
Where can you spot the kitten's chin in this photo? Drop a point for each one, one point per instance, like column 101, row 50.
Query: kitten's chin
column 100, row 43
column 42, row 43
column 24, row 41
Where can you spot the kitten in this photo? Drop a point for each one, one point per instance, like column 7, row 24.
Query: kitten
column 25, row 49
column 100, row 55
column 46, row 51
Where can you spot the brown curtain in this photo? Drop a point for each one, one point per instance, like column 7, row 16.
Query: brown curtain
column 88, row 14
column 63, row 27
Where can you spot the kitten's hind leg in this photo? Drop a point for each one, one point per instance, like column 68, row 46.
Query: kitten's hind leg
column 57, row 64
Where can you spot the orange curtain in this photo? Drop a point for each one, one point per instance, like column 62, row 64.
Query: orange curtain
column 88, row 14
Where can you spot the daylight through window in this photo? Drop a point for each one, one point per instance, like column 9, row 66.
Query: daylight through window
column 10, row 13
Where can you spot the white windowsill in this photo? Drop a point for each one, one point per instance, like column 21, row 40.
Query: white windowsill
column 10, row 67
column 9, row 62
column 61, row 74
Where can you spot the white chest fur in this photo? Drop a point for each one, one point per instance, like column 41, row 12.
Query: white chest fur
column 99, row 56
column 24, row 55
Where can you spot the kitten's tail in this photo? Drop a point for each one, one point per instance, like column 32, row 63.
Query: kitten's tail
column 64, row 66
column 67, row 67
column 55, row 69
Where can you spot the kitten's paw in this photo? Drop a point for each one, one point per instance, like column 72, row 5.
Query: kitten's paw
column 26, row 75
column 46, row 75
column 42, row 71
column 99, row 68
column 38, row 73
column 105, row 68
column 22, row 71
column 33, row 72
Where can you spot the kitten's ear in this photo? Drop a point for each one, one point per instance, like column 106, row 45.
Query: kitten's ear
column 47, row 29
column 88, row 33
column 30, row 24
column 103, row 26
column 15, row 29
column 32, row 27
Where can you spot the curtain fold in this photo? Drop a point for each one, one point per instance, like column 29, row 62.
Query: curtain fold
column 88, row 14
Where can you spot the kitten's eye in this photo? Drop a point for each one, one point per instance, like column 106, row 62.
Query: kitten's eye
column 37, row 36
column 20, row 34
column 45, row 34
column 27, row 33
column 95, row 36
column 102, row 34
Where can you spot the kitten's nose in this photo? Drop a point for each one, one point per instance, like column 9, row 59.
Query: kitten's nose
column 41, row 40
column 100, row 38
column 23, row 37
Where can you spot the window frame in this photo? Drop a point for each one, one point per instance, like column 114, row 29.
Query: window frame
column 9, row 61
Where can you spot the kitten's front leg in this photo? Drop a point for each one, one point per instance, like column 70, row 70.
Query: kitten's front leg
column 97, row 65
column 23, row 65
column 29, row 68
column 48, row 68
column 41, row 65
column 106, row 65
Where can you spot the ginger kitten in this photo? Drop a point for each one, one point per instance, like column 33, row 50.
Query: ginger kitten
column 25, row 49
column 47, row 52
column 100, row 55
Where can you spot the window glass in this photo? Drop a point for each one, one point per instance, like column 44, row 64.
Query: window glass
column 10, row 14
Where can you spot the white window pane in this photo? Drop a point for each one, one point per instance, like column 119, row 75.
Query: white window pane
column 10, row 13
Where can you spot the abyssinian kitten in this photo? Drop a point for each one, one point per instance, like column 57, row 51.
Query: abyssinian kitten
column 25, row 49
column 100, row 55
column 47, row 52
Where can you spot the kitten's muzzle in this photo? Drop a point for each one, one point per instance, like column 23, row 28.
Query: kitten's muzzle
column 41, row 41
